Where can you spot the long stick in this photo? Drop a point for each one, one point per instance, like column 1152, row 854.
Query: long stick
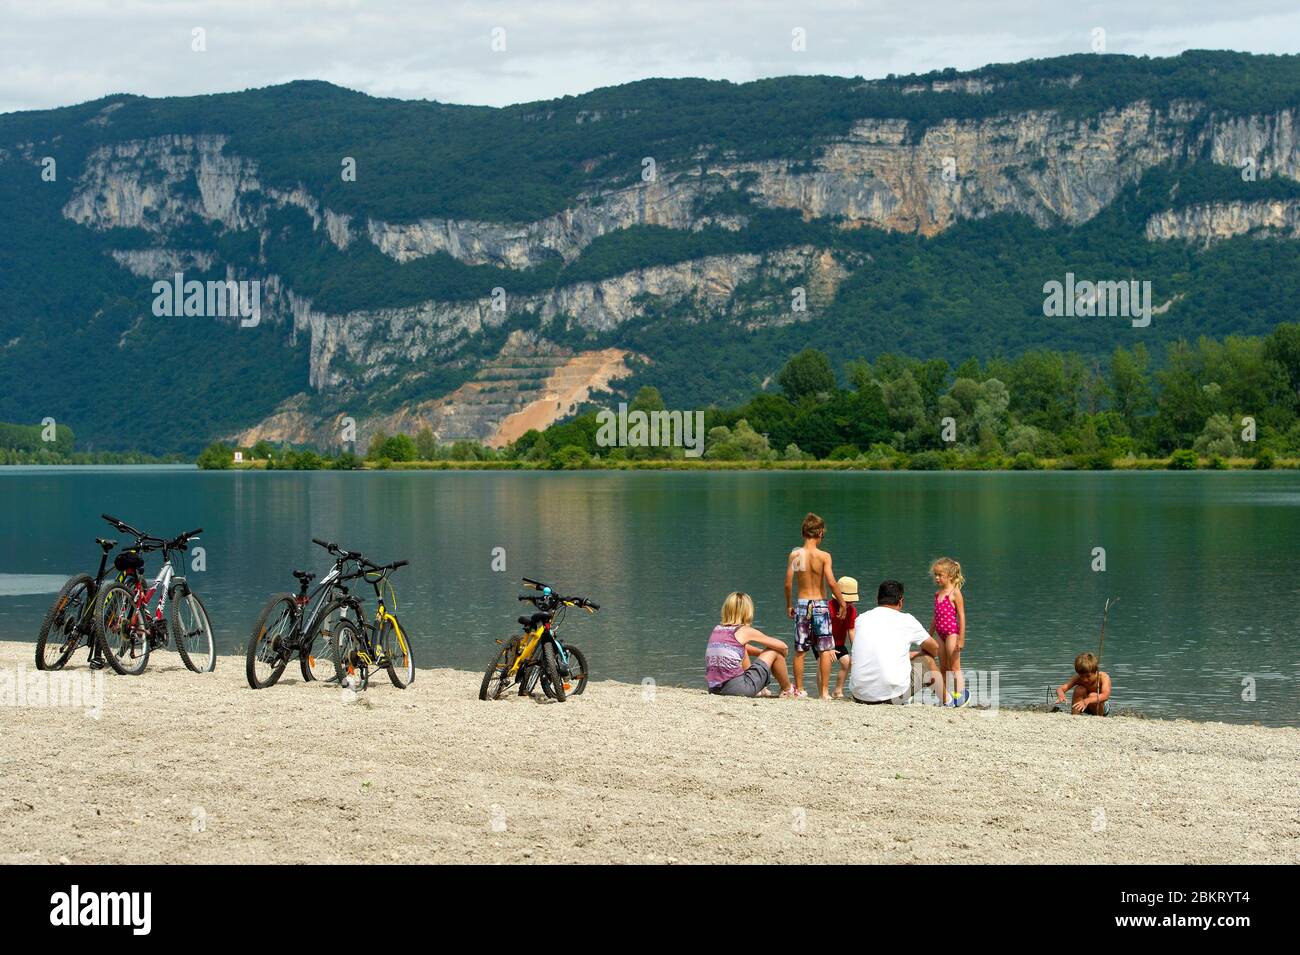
column 1105, row 615
column 1102, row 645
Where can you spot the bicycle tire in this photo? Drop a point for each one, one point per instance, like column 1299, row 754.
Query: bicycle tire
column 346, row 642
column 528, row 675
column 308, row 658
column 114, row 611
column 205, row 660
column 551, row 673
column 59, row 621
column 577, row 670
column 319, row 657
column 272, row 612
column 497, row 676
column 394, row 644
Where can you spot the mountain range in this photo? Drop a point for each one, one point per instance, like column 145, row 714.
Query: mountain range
column 483, row 271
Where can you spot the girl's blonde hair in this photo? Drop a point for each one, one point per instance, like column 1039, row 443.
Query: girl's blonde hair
column 737, row 610
column 951, row 570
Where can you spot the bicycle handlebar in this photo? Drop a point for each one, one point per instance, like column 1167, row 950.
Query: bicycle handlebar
column 337, row 551
column 373, row 567
column 122, row 525
column 557, row 600
column 179, row 543
column 148, row 541
column 576, row 601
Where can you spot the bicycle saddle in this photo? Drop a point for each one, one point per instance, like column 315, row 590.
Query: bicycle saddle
column 105, row 543
column 535, row 620
column 305, row 577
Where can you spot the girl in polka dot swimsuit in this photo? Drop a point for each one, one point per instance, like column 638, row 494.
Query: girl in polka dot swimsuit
column 949, row 628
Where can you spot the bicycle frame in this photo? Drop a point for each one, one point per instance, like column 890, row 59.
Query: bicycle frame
column 371, row 653
column 382, row 616
column 320, row 598
column 85, row 627
column 161, row 584
column 529, row 647
column 85, row 624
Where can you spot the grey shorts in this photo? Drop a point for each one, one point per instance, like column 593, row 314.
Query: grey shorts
column 748, row 683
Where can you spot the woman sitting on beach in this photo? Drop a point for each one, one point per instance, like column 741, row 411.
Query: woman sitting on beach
column 739, row 660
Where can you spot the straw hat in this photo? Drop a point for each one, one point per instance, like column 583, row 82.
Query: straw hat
column 849, row 588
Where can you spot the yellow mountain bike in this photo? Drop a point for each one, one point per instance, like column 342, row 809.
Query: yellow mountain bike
column 360, row 647
column 537, row 655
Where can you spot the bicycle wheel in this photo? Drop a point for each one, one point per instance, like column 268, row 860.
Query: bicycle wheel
column 529, row 673
column 552, row 684
column 192, row 630
column 399, row 659
column 349, row 650
column 60, row 630
column 319, row 657
column 122, row 631
column 268, row 652
column 576, row 681
column 497, row 676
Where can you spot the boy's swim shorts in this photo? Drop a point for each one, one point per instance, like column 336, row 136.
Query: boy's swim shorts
column 812, row 626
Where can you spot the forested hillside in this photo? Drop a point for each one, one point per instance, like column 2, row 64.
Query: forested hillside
column 423, row 265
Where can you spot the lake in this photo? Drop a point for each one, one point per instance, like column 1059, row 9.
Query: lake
column 1203, row 563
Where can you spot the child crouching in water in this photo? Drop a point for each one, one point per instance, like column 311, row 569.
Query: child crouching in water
column 1091, row 687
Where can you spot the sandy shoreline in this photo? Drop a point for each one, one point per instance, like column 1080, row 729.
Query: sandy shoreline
column 187, row 768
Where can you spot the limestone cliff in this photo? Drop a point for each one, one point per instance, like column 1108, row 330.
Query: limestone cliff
column 882, row 173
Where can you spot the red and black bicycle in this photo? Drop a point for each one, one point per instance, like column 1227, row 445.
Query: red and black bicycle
column 129, row 623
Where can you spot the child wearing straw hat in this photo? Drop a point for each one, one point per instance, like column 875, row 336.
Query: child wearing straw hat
column 842, row 629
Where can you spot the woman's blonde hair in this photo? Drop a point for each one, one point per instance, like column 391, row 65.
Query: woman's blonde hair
column 737, row 610
column 950, row 569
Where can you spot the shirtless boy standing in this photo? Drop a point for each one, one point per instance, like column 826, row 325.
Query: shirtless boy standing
column 810, row 566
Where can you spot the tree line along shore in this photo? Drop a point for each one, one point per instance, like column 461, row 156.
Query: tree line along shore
column 1226, row 404
column 1222, row 404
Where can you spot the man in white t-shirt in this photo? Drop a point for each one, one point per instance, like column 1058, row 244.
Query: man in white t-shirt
column 882, row 649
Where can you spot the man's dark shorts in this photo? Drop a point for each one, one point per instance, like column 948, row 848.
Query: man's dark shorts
column 897, row 701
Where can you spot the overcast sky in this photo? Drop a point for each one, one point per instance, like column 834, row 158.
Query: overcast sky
column 57, row 52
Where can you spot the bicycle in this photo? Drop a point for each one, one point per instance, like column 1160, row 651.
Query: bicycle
column 360, row 646
column 70, row 619
column 128, row 630
column 290, row 624
column 538, row 655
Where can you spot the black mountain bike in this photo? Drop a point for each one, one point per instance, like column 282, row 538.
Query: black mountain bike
column 70, row 622
column 302, row 624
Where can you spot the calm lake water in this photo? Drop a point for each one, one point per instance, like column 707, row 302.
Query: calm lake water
column 1203, row 563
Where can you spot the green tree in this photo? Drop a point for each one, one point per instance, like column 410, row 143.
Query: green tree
column 806, row 375
column 1283, row 348
column 1217, row 438
column 569, row 458
column 426, row 445
column 216, row 457
column 1129, row 388
column 399, row 447
column 903, row 401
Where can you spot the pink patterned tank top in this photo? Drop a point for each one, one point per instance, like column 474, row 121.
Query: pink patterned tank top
column 724, row 657
column 945, row 616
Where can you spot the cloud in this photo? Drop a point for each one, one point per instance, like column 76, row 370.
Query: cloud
column 64, row 51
